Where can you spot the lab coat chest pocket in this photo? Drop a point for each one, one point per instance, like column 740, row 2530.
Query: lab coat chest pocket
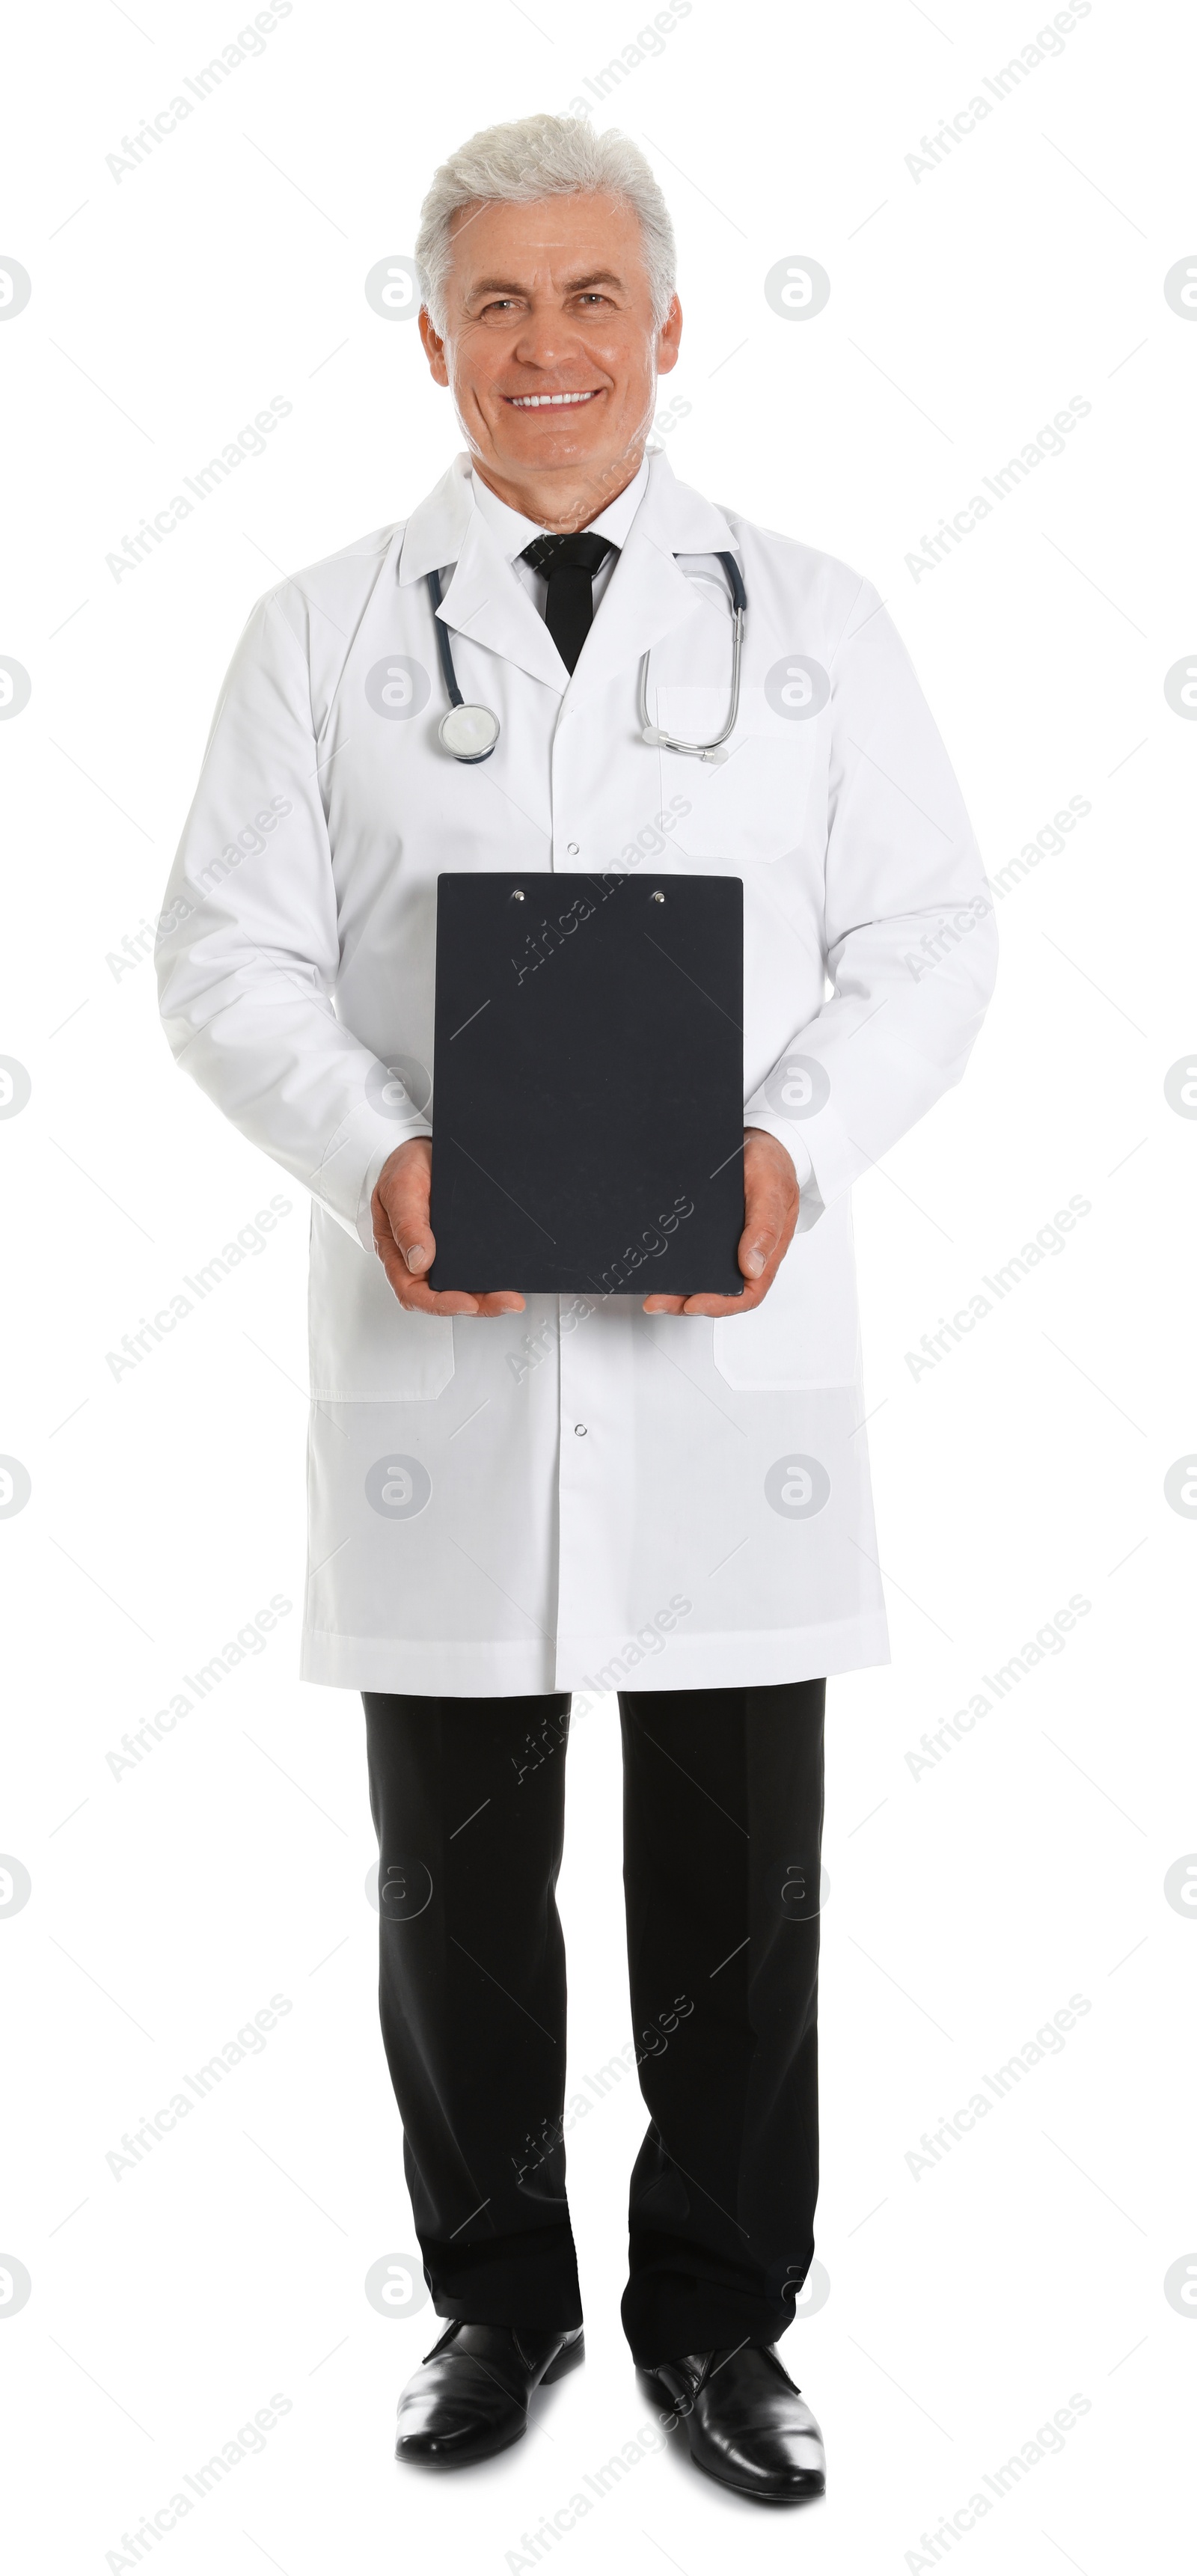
column 806, row 1332
column 754, row 804
column 363, row 1346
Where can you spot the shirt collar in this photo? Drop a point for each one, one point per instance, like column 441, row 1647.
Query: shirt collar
column 514, row 532
column 445, row 527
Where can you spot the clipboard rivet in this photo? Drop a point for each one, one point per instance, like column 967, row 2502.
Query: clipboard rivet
column 658, row 897
column 517, row 894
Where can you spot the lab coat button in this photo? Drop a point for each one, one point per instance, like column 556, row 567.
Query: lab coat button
column 572, row 848
column 580, row 1430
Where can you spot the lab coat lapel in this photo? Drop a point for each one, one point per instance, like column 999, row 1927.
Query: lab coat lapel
column 485, row 600
column 648, row 596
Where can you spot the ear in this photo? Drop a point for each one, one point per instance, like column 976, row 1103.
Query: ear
column 669, row 339
column 434, row 348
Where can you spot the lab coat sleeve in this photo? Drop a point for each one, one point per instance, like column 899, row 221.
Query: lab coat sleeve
column 248, row 949
column 909, row 935
column 788, row 1133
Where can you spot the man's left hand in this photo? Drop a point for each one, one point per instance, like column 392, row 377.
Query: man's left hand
column 770, row 1216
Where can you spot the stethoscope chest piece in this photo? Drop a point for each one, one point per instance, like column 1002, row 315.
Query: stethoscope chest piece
column 466, row 733
column 469, row 733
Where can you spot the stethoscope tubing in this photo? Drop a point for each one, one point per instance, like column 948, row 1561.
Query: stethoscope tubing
column 705, row 750
column 448, row 673
column 650, row 733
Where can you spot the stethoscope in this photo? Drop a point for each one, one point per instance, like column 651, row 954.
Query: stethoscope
column 470, row 733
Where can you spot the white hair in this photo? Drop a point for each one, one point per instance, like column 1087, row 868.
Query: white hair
column 535, row 157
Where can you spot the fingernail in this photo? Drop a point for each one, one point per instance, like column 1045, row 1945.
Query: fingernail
column 415, row 1256
column 754, row 1263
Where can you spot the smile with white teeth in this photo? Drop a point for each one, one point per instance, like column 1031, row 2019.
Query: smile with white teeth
column 531, row 402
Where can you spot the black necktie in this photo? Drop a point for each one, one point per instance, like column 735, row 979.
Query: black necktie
column 571, row 564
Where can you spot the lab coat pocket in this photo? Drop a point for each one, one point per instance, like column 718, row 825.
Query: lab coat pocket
column 752, row 805
column 807, row 1331
column 364, row 1347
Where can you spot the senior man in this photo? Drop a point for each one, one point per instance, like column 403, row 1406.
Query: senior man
column 512, row 1499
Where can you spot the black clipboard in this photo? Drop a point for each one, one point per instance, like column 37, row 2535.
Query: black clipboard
column 588, row 1102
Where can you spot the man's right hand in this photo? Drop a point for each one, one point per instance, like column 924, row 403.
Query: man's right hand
column 406, row 1246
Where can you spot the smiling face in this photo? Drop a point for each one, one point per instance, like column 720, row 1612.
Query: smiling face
column 551, row 351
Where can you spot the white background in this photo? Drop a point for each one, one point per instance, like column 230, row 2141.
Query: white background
column 968, row 1901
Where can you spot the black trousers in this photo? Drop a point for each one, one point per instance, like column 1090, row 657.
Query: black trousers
column 723, row 1812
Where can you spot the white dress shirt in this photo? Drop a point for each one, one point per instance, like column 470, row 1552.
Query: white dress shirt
column 514, row 532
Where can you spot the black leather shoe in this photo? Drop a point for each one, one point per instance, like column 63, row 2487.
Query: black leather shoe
column 748, row 2424
column 470, row 2396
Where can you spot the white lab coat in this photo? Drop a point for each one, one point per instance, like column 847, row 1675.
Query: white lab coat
column 579, row 1496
